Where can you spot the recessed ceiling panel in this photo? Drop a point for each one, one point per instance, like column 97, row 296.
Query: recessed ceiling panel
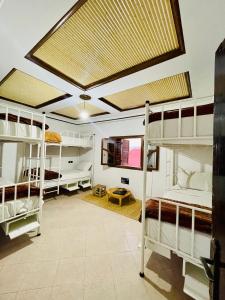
column 167, row 89
column 23, row 88
column 74, row 111
column 98, row 41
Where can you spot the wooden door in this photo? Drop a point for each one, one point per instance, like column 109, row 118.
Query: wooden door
column 217, row 288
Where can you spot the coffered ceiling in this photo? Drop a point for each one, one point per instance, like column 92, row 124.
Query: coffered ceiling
column 120, row 52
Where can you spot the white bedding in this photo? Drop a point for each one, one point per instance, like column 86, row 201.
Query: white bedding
column 22, row 205
column 19, row 130
column 170, row 129
column 68, row 176
column 74, row 174
column 189, row 196
column 76, row 141
column 168, row 231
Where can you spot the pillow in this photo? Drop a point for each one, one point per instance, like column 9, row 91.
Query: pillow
column 201, row 181
column 84, row 165
column 183, row 178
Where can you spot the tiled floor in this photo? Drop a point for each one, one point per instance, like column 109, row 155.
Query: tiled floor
column 84, row 252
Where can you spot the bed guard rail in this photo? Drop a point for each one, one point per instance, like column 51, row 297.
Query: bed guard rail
column 178, row 206
column 14, row 115
column 15, row 212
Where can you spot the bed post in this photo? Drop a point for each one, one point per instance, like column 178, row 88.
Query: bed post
column 93, row 160
column 147, row 103
column 42, row 167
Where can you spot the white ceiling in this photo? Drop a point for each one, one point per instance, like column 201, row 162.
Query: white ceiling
column 23, row 23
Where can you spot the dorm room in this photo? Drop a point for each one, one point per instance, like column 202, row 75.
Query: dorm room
column 112, row 149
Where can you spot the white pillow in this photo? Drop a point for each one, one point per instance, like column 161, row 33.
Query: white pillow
column 183, row 178
column 201, row 181
column 84, row 165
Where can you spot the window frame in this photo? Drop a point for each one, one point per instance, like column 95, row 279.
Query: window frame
column 142, row 153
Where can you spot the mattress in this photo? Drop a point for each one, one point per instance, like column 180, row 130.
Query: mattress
column 76, row 141
column 19, row 130
column 168, row 231
column 189, row 196
column 69, row 176
column 74, row 174
column 170, row 127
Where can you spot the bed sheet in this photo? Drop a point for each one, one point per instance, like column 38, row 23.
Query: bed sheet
column 19, row 206
column 170, row 129
column 189, row 196
column 23, row 130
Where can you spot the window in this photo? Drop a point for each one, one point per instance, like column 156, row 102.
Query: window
column 127, row 152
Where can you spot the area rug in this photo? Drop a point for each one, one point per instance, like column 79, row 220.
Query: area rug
column 130, row 208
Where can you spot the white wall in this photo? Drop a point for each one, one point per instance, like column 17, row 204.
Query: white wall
column 111, row 177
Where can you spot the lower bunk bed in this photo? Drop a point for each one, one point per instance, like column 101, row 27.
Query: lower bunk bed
column 20, row 207
column 176, row 222
column 70, row 180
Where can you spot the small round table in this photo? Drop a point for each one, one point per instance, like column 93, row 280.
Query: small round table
column 117, row 196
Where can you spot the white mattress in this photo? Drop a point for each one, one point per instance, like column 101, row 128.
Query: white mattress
column 76, row 141
column 189, row 196
column 74, row 174
column 68, row 176
column 19, row 130
column 168, row 231
column 170, row 129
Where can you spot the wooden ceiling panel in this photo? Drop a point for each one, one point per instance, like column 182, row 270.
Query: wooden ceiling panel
column 98, row 41
column 73, row 112
column 20, row 87
column 167, row 89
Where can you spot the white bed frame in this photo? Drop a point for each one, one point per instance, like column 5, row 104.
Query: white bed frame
column 19, row 224
column 192, row 281
column 69, row 139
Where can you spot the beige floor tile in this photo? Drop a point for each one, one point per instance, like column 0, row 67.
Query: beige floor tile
column 70, row 291
column 100, row 293
column 132, row 291
column 8, row 296
column 39, row 275
column 37, row 294
column 84, row 252
column 11, row 277
column 98, row 271
column 70, row 271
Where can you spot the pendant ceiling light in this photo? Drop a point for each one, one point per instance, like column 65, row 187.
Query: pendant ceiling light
column 83, row 113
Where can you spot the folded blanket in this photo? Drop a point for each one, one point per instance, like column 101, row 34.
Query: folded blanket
column 22, row 120
column 203, row 221
column 49, row 175
column 53, row 137
column 22, row 191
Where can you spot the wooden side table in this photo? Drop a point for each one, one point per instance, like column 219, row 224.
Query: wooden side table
column 117, row 196
column 99, row 190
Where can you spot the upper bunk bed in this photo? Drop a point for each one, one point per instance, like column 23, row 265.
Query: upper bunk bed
column 20, row 125
column 191, row 123
column 69, row 139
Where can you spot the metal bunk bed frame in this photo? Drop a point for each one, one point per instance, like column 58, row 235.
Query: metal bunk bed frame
column 34, row 214
column 188, row 258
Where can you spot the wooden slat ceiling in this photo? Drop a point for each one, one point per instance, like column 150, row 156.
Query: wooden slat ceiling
column 74, row 111
column 163, row 90
column 23, row 88
column 101, row 40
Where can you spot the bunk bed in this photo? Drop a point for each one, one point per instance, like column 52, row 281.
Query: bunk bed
column 180, row 221
column 56, row 177
column 21, row 202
